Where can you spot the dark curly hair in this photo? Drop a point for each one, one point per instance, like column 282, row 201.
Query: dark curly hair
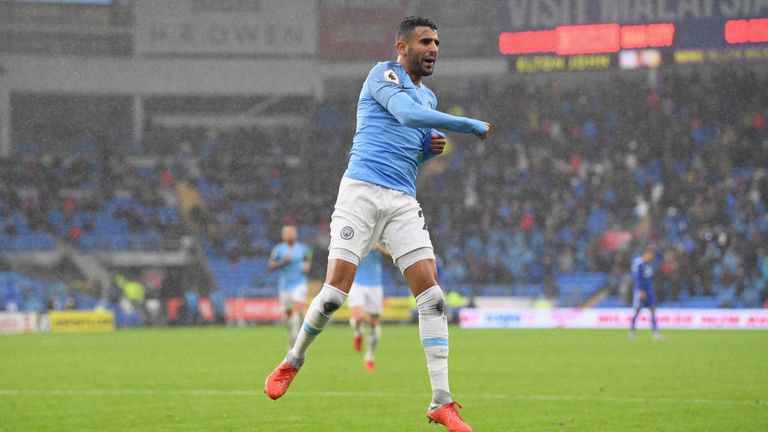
column 411, row 22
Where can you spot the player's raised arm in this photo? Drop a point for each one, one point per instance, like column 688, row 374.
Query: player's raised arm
column 387, row 88
column 411, row 114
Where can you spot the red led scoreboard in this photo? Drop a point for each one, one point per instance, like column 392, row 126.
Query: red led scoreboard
column 555, row 35
column 587, row 39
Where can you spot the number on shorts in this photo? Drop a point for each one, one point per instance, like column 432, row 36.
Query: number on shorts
column 421, row 215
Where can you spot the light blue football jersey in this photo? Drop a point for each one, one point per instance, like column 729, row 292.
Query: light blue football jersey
column 385, row 152
column 292, row 274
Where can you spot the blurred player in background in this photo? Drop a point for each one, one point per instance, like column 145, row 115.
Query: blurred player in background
column 396, row 131
column 292, row 261
column 366, row 300
column 643, row 294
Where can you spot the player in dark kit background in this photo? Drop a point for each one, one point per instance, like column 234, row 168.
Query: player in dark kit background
column 644, row 296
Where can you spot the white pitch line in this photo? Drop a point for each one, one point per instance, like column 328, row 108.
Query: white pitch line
column 530, row 397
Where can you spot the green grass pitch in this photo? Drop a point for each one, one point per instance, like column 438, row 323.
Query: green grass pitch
column 211, row 379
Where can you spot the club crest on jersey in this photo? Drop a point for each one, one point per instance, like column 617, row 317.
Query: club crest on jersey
column 390, row 75
column 347, row 232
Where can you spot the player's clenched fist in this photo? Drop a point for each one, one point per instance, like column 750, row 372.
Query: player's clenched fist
column 483, row 134
column 438, row 144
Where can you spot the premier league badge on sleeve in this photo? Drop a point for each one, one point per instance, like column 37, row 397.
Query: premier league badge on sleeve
column 391, row 76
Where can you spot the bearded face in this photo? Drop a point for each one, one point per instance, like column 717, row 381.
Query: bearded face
column 421, row 51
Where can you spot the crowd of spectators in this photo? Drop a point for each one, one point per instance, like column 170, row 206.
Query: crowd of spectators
column 64, row 194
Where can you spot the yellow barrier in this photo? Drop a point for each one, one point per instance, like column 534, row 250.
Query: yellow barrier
column 81, row 321
column 395, row 309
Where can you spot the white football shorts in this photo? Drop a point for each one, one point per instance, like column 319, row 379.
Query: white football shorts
column 297, row 295
column 371, row 298
column 366, row 213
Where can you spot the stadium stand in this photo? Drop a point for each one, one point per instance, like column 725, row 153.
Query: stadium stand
column 573, row 181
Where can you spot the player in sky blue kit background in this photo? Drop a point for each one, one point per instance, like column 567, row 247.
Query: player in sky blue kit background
column 291, row 260
column 366, row 301
column 397, row 130
column 644, row 295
